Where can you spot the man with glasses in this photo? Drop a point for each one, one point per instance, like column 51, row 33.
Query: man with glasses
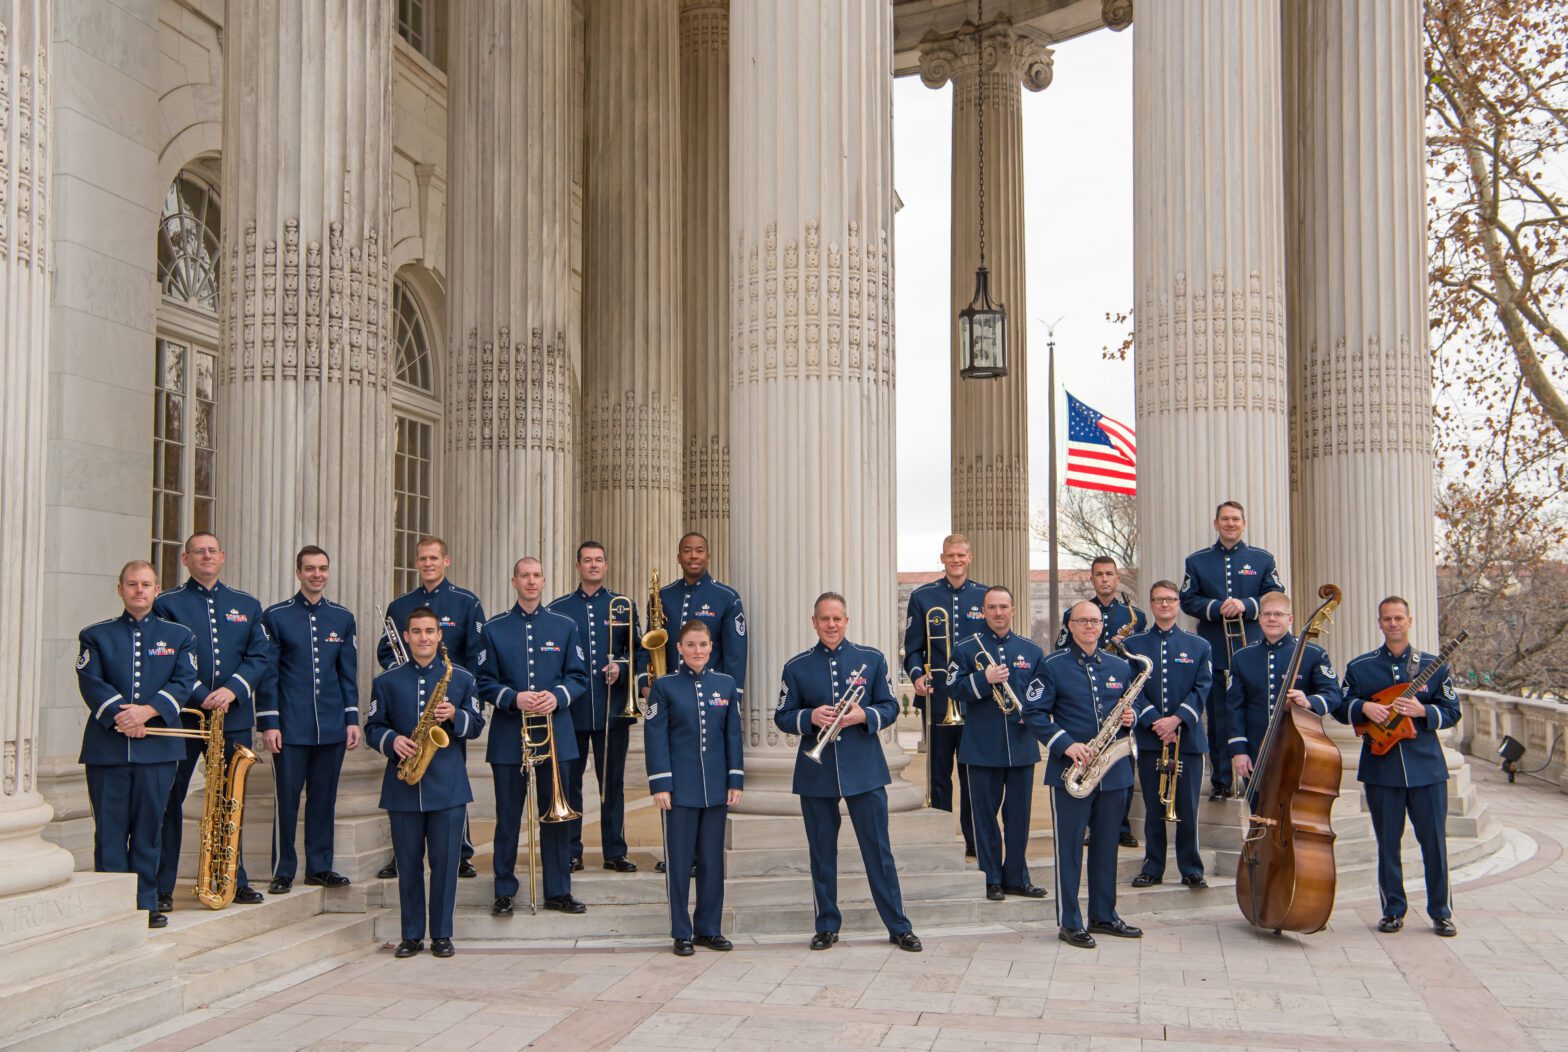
column 1258, row 674
column 1171, row 705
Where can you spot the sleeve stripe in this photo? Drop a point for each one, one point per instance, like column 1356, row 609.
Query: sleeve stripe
column 798, row 717
column 352, row 708
column 170, row 697
column 1439, row 714
column 1208, row 611
column 734, row 771
column 105, row 705
column 248, row 689
column 1189, row 709
column 1236, row 741
column 878, row 715
column 381, row 746
column 266, row 712
column 1052, row 742
column 656, row 777
column 566, row 699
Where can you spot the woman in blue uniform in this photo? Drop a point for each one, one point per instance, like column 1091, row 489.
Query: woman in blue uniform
column 693, row 742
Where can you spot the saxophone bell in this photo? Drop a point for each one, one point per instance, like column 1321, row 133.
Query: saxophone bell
column 657, row 637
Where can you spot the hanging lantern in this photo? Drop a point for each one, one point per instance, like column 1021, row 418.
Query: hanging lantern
column 982, row 326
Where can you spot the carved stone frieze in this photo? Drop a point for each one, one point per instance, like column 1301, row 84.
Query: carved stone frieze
column 990, row 492
column 633, row 436
column 511, row 395
column 24, row 175
column 1212, row 346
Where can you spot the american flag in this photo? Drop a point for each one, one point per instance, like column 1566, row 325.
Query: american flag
column 1102, row 453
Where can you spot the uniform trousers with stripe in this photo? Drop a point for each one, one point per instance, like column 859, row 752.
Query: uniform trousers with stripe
column 1427, row 806
column 1220, row 774
column 1002, row 849
column 1189, row 787
column 174, row 813
column 868, row 814
column 555, row 838
column 608, row 747
column 314, row 770
column 128, row 801
column 695, row 835
column 1100, row 814
column 943, row 746
column 414, row 833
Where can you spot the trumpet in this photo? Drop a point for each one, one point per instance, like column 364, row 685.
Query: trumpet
column 1169, row 768
column 622, row 606
column 829, row 734
column 539, row 747
column 657, row 637
column 1002, row 692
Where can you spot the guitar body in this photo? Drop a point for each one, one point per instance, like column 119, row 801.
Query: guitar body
column 1286, row 878
column 1384, row 736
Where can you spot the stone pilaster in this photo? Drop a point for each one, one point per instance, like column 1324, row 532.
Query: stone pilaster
column 512, row 375
column 27, row 861
column 990, row 418
column 633, row 487
column 1360, row 374
column 705, row 272
column 1209, row 276
column 811, row 339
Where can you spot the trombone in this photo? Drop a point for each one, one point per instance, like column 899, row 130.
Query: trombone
column 395, row 641
column 538, row 736
column 1235, row 638
column 1169, row 768
column 938, row 628
column 1002, row 692
column 620, row 616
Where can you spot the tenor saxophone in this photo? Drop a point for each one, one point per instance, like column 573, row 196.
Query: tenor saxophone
column 428, row 735
column 1081, row 779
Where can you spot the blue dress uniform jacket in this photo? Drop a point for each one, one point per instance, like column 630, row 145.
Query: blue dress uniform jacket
column 1259, row 670
column 1217, row 573
column 990, row 738
column 719, row 607
column 122, row 662
column 1179, row 685
column 461, row 618
column 396, row 700
column 965, row 617
column 314, row 696
column 591, row 613
column 1065, row 705
column 1115, row 616
column 523, row 651
column 854, row 764
column 232, row 646
column 693, row 738
column 1414, row 761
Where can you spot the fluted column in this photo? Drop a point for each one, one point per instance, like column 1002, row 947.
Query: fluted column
column 305, row 340
column 27, row 861
column 705, row 272
column 1209, row 275
column 811, row 343
column 633, row 484
column 512, row 377
column 1361, row 383
column 990, row 418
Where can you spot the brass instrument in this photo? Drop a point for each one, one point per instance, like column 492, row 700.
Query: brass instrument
column 1080, row 779
column 1002, row 692
column 1169, row 768
column 218, row 857
column 622, row 605
column 428, row 735
column 656, row 638
column 395, row 642
column 829, row 734
column 1235, row 638
column 539, row 747
column 939, row 628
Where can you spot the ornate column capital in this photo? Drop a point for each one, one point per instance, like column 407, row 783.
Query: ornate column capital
column 1116, row 14
column 996, row 47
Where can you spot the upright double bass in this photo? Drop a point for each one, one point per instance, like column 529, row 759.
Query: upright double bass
column 1285, row 880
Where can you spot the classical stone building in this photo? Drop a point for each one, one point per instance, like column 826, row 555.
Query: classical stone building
column 351, row 271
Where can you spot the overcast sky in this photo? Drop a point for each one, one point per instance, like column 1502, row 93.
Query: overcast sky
column 1078, row 203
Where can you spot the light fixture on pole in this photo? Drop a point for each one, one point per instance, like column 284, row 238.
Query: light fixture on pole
column 982, row 326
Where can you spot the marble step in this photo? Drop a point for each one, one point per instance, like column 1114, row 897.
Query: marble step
column 194, row 929
column 216, row 973
column 98, row 1022
column 99, row 977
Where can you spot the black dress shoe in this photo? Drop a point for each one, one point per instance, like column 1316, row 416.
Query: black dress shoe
column 281, row 886
column 1445, row 928
column 165, row 903
column 1194, row 880
column 1128, row 840
column 466, row 869
column 714, row 942
column 156, row 919
column 658, row 867
column 564, row 904
column 906, row 941
column 1220, row 792
column 441, row 947
column 1146, row 880
column 1118, row 927
column 1028, row 891
column 621, row 865
column 683, row 948
column 502, row 907
column 576, row 866
column 1389, row 925
column 408, row 947
column 823, row 939
column 329, row 879
column 993, row 892
column 388, row 871
column 249, row 896
column 1078, row 937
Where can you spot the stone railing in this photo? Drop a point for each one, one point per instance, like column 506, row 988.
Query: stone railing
column 1540, row 725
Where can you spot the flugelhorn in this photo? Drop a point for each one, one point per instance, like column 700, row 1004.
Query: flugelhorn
column 829, row 734
column 622, row 605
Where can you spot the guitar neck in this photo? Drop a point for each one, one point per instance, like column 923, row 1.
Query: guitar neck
column 1421, row 678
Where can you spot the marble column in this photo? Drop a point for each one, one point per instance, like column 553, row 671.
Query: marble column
column 1209, row 273
column 633, row 484
column 811, row 344
column 990, row 418
column 705, row 272
column 512, row 377
column 27, row 862
column 1360, row 373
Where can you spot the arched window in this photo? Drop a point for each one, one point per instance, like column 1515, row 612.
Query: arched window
column 411, row 336
column 416, row 413
column 185, row 386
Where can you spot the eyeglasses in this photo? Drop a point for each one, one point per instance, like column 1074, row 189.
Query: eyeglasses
column 203, row 551
column 1086, row 621
column 1165, row 599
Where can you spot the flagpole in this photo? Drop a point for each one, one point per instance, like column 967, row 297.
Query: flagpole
column 1050, row 530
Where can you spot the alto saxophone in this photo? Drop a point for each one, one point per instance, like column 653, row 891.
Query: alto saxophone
column 428, row 735
column 1081, row 779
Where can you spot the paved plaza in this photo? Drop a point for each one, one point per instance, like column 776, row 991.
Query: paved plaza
column 1197, row 980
